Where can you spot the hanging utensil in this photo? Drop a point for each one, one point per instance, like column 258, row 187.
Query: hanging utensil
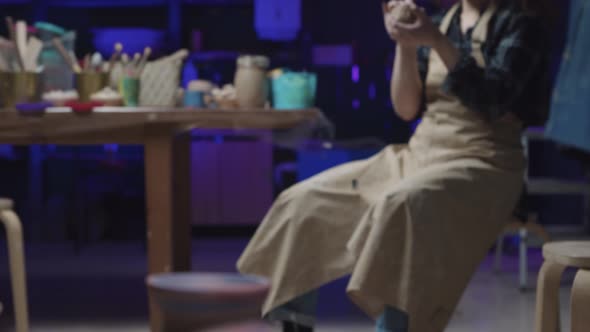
column 71, row 61
column 34, row 48
column 21, row 43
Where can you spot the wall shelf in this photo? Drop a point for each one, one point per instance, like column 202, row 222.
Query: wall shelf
column 106, row 3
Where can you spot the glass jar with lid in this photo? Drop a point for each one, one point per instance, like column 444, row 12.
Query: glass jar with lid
column 251, row 81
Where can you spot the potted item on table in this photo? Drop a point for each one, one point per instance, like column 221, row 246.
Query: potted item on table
column 57, row 73
column 160, row 79
column 59, row 98
column 107, row 97
column 32, row 108
column 92, row 74
column 88, row 83
column 293, row 90
column 83, row 107
column 197, row 93
column 129, row 83
column 251, row 82
column 19, row 73
column 225, row 98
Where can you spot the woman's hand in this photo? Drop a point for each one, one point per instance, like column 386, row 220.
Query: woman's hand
column 421, row 32
column 389, row 17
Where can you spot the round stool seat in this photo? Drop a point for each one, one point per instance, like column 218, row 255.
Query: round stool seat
column 243, row 327
column 573, row 254
column 195, row 301
column 6, row 204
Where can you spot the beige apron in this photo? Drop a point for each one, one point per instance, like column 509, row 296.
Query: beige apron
column 409, row 225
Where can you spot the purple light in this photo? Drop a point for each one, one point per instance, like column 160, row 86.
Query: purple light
column 112, row 148
column 217, row 78
column 356, row 74
column 356, row 104
column 134, row 39
column 372, row 91
column 189, row 73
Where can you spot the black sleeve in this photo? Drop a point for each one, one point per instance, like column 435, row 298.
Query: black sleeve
column 495, row 89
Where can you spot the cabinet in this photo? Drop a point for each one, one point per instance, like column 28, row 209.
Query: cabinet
column 231, row 178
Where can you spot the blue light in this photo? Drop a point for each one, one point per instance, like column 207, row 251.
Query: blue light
column 217, row 78
column 111, row 148
column 277, row 19
column 356, row 74
column 189, row 73
column 134, row 40
column 356, row 104
column 372, row 91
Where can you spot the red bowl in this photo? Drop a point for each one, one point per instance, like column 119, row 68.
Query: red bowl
column 83, row 107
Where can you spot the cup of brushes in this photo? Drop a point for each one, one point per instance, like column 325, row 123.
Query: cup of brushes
column 92, row 75
column 19, row 73
column 129, row 84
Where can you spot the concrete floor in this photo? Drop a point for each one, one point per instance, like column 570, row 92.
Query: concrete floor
column 101, row 290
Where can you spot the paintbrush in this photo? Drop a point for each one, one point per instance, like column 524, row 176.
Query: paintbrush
column 7, row 54
column 178, row 55
column 143, row 62
column 86, row 63
column 3, row 63
column 34, row 48
column 10, row 27
column 115, row 56
column 125, row 63
column 21, row 41
column 11, row 31
column 96, row 62
column 6, row 44
column 135, row 64
column 67, row 58
column 13, row 38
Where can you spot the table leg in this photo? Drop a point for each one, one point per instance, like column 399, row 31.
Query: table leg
column 182, row 202
column 168, row 230
column 35, row 200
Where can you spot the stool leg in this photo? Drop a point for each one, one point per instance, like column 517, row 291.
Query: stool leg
column 523, row 259
column 17, row 268
column 547, row 307
column 581, row 302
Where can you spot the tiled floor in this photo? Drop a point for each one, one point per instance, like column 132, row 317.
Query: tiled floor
column 101, row 290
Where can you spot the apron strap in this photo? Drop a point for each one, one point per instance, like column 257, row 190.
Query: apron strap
column 480, row 33
column 446, row 22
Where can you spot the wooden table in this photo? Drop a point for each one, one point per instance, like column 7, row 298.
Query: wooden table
column 164, row 133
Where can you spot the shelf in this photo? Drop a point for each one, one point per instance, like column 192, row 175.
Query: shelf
column 130, row 3
column 14, row 2
column 106, row 3
column 218, row 2
column 546, row 186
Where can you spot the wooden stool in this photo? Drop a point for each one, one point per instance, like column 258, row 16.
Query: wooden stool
column 197, row 301
column 18, row 280
column 243, row 327
column 559, row 256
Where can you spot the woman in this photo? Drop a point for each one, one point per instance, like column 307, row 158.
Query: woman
column 411, row 224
